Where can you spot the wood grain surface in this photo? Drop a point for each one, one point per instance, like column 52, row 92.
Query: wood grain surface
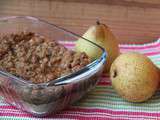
column 132, row 21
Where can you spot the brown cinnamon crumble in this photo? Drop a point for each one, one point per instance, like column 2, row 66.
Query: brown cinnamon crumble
column 35, row 58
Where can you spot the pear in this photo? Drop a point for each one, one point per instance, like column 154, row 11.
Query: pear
column 134, row 77
column 101, row 35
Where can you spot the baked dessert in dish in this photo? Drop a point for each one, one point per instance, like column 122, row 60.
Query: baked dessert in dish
column 39, row 74
column 37, row 59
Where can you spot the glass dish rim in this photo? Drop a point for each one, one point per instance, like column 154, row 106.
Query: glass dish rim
column 102, row 58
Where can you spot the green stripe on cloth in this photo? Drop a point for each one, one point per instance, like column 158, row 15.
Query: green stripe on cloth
column 130, row 107
column 154, row 57
column 14, row 118
column 116, row 98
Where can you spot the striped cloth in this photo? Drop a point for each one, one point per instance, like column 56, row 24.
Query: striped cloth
column 102, row 102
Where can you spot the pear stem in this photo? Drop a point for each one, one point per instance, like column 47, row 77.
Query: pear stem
column 98, row 23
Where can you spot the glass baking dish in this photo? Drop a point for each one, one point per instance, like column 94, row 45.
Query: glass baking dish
column 44, row 98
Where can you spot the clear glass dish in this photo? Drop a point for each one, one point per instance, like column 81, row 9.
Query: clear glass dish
column 44, row 98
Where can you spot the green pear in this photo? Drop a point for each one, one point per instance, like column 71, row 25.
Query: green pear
column 101, row 35
column 134, row 77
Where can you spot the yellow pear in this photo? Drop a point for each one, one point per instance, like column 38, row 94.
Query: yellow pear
column 134, row 77
column 101, row 35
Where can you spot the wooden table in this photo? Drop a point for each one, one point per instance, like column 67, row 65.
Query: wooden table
column 132, row 21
